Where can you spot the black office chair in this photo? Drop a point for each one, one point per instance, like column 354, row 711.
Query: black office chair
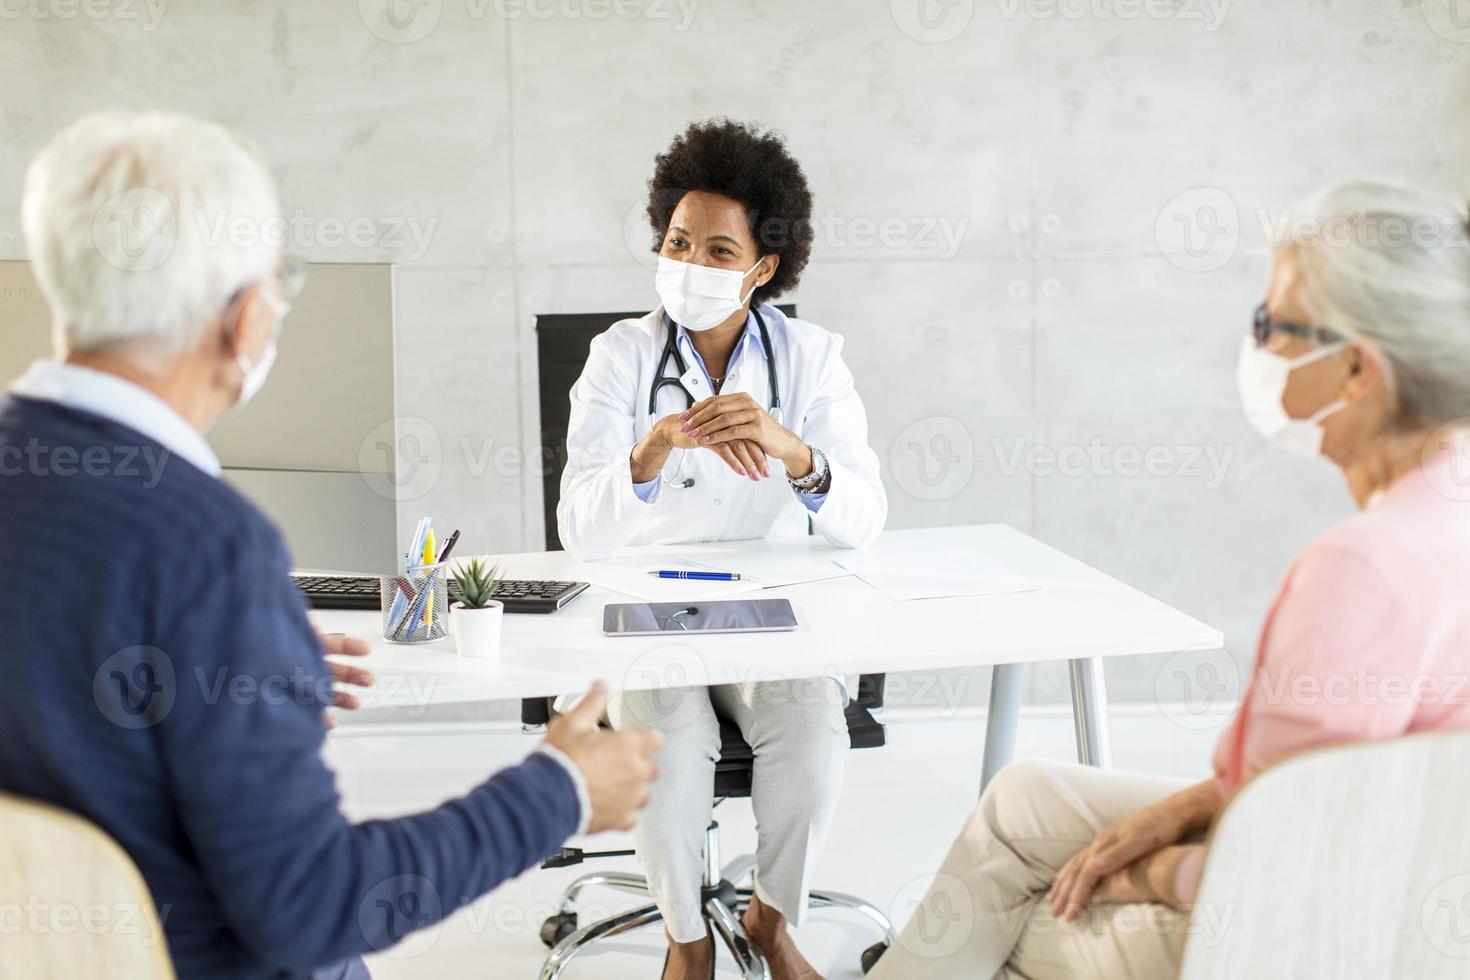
column 562, row 343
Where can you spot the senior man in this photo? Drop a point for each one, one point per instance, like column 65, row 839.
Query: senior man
column 130, row 590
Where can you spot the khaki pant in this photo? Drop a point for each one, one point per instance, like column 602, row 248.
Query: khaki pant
column 985, row 915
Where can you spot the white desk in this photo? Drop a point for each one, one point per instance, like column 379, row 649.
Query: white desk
column 1079, row 615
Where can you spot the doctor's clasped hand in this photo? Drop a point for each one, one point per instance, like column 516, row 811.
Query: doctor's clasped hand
column 737, row 419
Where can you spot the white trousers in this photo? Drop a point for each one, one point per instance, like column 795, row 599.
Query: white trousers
column 986, row 916
column 798, row 731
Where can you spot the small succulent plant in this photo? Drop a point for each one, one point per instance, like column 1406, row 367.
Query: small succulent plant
column 477, row 583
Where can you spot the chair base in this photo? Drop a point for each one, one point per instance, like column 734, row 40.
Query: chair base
column 726, row 897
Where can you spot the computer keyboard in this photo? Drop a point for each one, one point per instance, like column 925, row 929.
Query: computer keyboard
column 361, row 592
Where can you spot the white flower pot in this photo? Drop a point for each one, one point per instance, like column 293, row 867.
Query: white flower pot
column 477, row 631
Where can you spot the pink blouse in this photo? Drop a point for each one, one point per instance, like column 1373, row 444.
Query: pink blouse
column 1369, row 635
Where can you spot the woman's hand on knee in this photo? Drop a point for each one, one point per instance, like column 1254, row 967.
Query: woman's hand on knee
column 1112, row 850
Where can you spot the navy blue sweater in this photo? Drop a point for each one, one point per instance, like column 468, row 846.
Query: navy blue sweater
column 160, row 678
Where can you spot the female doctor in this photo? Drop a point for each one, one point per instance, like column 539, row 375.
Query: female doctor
column 713, row 418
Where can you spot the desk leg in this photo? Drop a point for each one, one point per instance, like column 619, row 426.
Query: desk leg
column 1000, row 721
column 1090, row 711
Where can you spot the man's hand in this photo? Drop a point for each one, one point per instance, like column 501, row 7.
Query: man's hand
column 737, row 417
column 342, row 645
column 618, row 766
column 1150, row 829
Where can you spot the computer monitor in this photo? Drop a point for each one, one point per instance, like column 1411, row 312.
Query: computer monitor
column 305, row 450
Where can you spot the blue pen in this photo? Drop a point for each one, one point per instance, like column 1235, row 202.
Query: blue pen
column 700, row 576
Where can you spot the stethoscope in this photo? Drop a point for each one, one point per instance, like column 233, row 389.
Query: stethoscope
column 671, row 350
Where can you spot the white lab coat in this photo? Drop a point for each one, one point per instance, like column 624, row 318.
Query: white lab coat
column 599, row 510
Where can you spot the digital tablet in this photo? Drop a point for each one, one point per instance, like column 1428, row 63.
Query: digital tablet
column 723, row 616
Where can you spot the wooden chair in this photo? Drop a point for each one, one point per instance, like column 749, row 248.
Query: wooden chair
column 1341, row 863
column 72, row 904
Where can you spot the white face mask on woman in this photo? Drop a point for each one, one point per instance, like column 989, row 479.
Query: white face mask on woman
column 1262, row 376
column 697, row 297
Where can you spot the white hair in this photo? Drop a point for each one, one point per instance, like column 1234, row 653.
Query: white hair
column 1391, row 263
column 142, row 226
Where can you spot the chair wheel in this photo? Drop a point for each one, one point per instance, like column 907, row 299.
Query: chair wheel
column 872, row 954
column 562, row 925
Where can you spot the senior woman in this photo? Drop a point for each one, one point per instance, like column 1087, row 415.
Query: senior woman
column 718, row 417
column 1360, row 353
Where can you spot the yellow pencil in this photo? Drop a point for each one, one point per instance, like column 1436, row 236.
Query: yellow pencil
column 429, row 600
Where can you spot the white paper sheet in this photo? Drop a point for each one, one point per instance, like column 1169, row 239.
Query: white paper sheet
column 936, row 574
column 758, row 571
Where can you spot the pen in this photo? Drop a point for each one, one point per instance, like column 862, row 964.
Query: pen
column 700, row 576
column 448, row 547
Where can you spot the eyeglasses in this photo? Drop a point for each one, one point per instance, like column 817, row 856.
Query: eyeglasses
column 1262, row 327
column 292, row 273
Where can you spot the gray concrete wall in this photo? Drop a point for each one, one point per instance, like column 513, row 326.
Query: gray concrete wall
column 1040, row 224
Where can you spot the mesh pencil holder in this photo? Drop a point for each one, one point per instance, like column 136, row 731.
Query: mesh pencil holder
column 416, row 604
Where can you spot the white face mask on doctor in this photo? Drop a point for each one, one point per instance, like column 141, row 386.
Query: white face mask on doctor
column 697, row 297
column 1262, row 376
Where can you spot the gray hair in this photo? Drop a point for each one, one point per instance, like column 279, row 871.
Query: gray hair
column 142, row 226
column 1390, row 264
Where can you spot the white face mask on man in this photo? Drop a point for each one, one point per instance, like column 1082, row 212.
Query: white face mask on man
column 1262, row 376
column 697, row 297
column 252, row 376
